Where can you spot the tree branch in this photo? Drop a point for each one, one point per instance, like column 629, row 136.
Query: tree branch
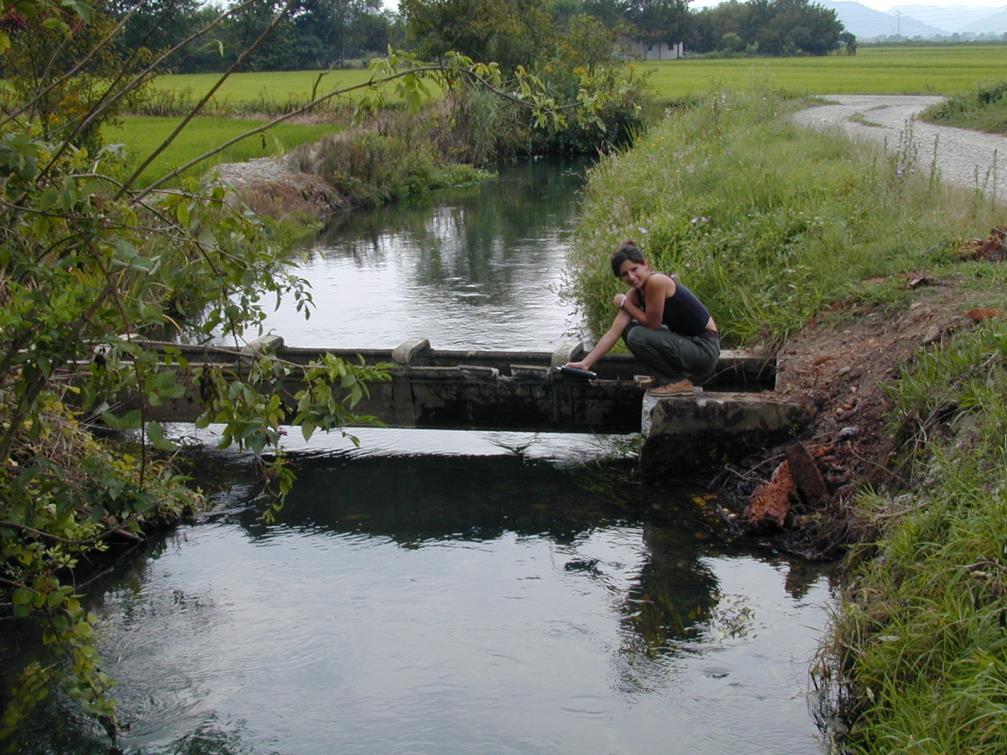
column 199, row 105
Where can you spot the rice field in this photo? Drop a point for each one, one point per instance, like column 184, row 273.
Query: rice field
column 263, row 91
column 140, row 135
column 873, row 70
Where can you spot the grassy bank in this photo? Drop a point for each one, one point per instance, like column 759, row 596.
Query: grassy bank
column 920, row 637
column 767, row 221
column 772, row 224
column 141, row 135
column 982, row 107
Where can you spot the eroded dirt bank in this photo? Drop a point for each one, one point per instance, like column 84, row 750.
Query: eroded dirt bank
column 841, row 363
column 844, row 359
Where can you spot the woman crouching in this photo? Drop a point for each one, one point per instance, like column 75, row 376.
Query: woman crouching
column 665, row 326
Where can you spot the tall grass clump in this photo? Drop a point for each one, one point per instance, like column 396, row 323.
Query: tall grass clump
column 920, row 639
column 399, row 159
column 984, row 108
column 765, row 220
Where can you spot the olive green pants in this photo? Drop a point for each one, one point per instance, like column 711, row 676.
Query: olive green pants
column 671, row 356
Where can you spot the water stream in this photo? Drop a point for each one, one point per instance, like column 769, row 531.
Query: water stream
column 450, row 592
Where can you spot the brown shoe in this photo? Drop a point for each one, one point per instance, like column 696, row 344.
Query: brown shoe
column 679, row 388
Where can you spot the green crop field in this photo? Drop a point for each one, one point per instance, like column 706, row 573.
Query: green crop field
column 141, row 135
column 873, row 70
column 267, row 90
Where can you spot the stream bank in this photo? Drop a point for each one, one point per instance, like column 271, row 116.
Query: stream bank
column 881, row 287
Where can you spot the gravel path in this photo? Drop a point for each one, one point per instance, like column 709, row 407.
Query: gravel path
column 965, row 158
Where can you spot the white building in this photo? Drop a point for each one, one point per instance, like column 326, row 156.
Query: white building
column 655, row 51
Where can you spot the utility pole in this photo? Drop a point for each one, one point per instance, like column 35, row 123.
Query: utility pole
column 898, row 23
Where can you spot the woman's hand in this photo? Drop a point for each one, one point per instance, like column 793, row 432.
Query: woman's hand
column 619, row 301
column 581, row 365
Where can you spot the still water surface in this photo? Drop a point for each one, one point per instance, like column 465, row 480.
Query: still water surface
column 473, row 268
column 440, row 592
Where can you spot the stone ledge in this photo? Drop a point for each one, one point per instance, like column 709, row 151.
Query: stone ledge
column 702, row 431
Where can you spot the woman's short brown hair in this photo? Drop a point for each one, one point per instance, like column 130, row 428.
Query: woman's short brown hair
column 628, row 250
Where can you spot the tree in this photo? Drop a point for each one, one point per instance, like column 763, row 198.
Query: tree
column 325, row 29
column 773, row 27
column 508, row 32
column 849, row 41
column 88, row 266
column 41, row 56
column 658, row 21
column 563, row 11
column 278, row 51
column 731, row 42
column 587, row 43
column 609, row 12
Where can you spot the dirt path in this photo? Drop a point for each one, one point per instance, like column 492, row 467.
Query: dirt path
column 967, row 158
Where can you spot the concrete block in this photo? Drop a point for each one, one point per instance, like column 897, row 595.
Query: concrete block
column 567, row 352
column 270, row 343
column 702, row 432
column 411, row 351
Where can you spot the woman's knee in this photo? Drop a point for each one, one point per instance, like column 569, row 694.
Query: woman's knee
column 635, row 335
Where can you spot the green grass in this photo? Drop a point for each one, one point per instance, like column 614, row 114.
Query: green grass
column 921, row 632
column 260, row 92
column 767, row 221
column 982, row 107
column 274, row 86
column 141, row 135
column 873, row 70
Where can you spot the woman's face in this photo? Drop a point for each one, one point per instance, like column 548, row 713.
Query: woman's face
column 634, row 274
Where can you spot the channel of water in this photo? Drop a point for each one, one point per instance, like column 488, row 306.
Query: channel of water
column 450, row 592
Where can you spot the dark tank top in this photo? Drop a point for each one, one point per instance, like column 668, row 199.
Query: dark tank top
column 683, row 312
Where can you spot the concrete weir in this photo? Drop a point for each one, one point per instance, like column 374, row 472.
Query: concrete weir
column 708, row 429
column 523, row 390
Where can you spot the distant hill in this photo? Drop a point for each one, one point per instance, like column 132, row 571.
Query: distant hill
column 949, row 20
column 996, row 24
column 867, row 23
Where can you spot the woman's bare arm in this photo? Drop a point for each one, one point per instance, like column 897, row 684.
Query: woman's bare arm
column 658, row 288
column 605, row 343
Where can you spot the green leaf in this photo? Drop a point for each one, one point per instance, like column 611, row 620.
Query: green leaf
column 56, row 24
column 81, row 9
column 128, row 421
column 257, row 442
column 23, row 596
column 155, row 434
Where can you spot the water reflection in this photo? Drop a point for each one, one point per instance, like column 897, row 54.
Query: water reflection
column 452, row 605
column 467, row 268
column 665, row 598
